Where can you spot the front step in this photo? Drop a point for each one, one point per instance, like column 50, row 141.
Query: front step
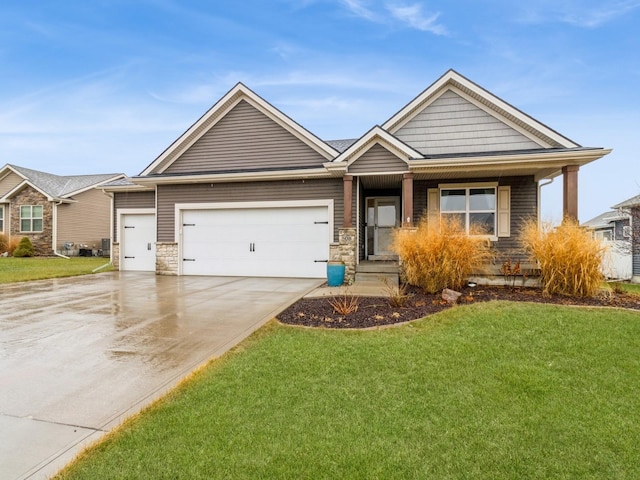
column 377, row 267
column 371, row 272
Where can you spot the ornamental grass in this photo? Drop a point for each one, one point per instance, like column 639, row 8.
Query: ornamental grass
column 569, row 258
column 440, row 255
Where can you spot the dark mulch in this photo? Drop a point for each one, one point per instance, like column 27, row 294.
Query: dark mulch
column 377, row 311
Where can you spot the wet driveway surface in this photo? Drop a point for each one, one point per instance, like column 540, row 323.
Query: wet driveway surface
column 79, row 355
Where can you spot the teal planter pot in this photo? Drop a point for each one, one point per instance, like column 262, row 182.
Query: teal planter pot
column 335, row 274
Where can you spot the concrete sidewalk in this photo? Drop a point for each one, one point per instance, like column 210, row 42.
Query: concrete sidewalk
column 368, row 288
column 80, row 355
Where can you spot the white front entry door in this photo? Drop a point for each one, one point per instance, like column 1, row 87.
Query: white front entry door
column 138, row 250
column 259, row 242
column 383, row 215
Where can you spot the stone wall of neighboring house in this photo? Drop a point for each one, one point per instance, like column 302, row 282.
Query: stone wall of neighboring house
column 41, row 241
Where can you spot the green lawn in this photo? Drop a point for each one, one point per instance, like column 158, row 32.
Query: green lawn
column 488, row 391
column 38, row 268
column 629, row 287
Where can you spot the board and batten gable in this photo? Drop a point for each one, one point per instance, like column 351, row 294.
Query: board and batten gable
column 378, row 160
column 131, row 201
column 285, row 190
column 451, row 124
column 86, row 221
column 245, row 139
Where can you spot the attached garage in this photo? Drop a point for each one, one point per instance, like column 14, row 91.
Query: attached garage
column 137, row 241
column 263, row 239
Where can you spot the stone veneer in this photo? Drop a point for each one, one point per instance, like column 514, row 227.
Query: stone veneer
column 166, row 258
column 41, row 241
column 345, row 251
column 115, row 255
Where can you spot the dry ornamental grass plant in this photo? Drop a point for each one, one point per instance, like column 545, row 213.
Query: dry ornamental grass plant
column 569, row 258
column 440, row 256
column 345, row 304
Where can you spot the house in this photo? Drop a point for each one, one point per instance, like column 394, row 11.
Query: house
column 631, row 207
column 55, row 211
column 248, row 191
column 614, row 229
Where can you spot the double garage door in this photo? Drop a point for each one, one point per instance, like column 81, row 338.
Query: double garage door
column 262, row 242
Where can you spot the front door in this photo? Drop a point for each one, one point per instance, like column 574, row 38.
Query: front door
column 383, row 215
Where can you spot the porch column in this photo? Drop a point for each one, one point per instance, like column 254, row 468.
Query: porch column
column 570, row 191
column 407, row 199
column 347, row 185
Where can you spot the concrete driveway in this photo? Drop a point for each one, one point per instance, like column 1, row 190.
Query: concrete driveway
column 79, row 355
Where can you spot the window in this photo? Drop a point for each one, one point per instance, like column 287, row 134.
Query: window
column 31, row 218
column 474, row 208
column 606, row 235
column 626, row 231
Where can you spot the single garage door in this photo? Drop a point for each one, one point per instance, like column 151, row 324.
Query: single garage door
column 260, row 242
column 138, row 251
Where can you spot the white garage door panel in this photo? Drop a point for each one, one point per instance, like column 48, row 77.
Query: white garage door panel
column 256, row 242
column 138, row 242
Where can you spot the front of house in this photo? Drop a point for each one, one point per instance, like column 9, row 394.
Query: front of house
column 246, row 191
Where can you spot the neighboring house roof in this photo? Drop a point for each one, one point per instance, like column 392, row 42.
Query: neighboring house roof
column 604, row 220
column 57, row 186
column 631, row 202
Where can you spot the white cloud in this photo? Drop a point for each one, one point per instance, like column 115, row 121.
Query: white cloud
column 585, row 14
column 360, row 9
column 414, row 17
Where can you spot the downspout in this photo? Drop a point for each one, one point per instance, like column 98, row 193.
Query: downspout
column 540, row 185
column 54, row 230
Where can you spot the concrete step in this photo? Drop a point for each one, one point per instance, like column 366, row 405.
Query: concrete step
column 377, row 278
column 377, row 267
column 383, row 258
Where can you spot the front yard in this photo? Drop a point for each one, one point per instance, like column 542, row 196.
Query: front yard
column 38, row 268
column 481, row 391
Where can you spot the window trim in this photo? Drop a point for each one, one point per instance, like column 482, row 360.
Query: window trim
column 31, row 218
column 1, row 218
column 468, row 187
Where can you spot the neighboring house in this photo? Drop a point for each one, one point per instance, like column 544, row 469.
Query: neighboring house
column 631, row 207
column 248, row 191
column 55, row 210
column 614, row 229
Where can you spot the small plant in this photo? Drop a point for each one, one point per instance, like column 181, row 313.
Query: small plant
column 398, row 296
column 569, row 258
column 24, row 248
column 345, row 304
column 511, row 271
column 440, row 256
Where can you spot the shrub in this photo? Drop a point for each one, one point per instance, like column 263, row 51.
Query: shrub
column 4, row 243
column 569, row 258
column 440, row 256
column 24, row 248
column 13, row 244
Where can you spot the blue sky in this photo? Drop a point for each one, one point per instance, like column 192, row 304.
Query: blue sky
column 106, row 86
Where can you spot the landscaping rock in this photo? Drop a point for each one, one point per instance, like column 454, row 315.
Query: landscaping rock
column 450, row 296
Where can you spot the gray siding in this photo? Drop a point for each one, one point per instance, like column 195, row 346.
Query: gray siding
column 378, row 160
column 245, row 139
column 169, row 195
column 131, row 200
column 452, row 124
column 524, row 205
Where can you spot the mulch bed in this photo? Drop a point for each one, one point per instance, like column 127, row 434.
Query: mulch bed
column 378, row 311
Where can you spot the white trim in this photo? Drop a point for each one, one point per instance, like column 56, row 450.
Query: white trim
column 376, row 136
column 467, row 185
column 234, row 177
column 180, row 207
column 94, row 185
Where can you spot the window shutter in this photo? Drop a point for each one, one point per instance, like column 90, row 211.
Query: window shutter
column 504, row 211
column 433, row 206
